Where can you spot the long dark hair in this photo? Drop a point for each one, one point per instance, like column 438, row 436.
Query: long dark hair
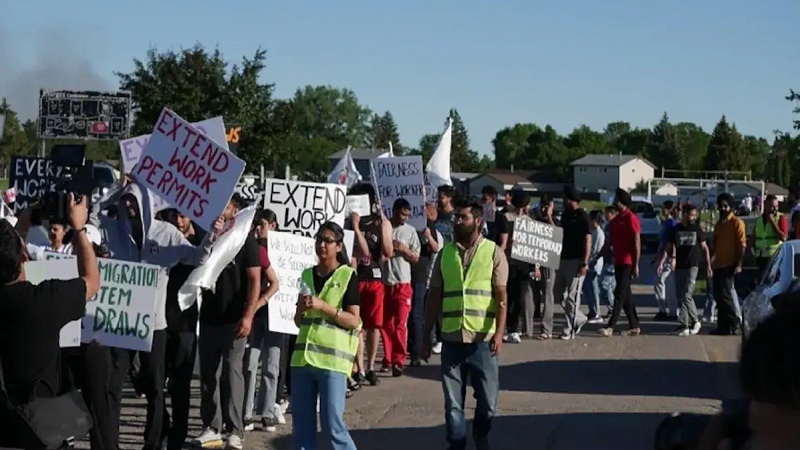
column 338, row 234
column 267, row 215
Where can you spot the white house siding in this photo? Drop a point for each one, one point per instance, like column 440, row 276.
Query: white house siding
column 609, row 178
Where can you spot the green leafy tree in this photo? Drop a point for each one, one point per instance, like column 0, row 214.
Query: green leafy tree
column 198, row 84
column 795, row 97
column 693, row 142
column 14, row 142
column 511, row 145
column 427, row 145
column 726, row 150
column 383, row 130
column 547, row 151
column 462, row 157
column 759, row 152
column 663, row 148
column 584, row 141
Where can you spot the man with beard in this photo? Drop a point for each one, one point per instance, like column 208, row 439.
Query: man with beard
column 575, row 254
column 134, row 235
column 728, row 249
column 468, row 292
column 770, row 230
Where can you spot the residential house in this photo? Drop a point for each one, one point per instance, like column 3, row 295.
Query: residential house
column 606, row 173
column 740, row 189
column 534, row 181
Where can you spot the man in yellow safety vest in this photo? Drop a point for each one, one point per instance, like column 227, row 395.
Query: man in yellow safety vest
column 770, row 230
column 468, row 293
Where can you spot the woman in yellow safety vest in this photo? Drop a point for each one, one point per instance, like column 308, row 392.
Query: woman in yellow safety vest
column 329, row 321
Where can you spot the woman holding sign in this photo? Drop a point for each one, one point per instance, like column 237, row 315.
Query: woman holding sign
column 329, row 320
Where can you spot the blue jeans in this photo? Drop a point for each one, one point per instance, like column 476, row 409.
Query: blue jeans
column 416, row 320
column 608, row 283
column 308, row 383
column 473, row 362
column 591, row 292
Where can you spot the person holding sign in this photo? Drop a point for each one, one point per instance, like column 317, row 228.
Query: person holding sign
column 329, row 320
column 468, row 292
column 29, row 338
column 134, row 235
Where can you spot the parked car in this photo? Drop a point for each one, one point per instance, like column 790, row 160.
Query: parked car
column 650, row 223
column 782, row 275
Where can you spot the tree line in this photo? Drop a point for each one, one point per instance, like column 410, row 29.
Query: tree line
column 317, row 121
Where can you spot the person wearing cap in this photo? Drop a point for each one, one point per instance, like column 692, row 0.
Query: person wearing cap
column 627, row 249
column 575, row 253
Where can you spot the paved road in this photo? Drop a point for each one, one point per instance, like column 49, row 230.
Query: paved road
column 594, row 392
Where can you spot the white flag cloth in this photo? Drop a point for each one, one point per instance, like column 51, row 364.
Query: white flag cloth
column 223, row 251
column 438, row 167
column 345, row 172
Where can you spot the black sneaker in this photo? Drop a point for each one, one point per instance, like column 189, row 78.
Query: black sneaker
column 660, row 317
column 359, row 377
column 415, row 362
column 397, row 371
column 672, row 318
column 372, row 378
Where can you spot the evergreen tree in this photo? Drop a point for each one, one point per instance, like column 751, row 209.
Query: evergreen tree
column 664, row 149
column 727, row 150
column 383, row 130
column 462, row 158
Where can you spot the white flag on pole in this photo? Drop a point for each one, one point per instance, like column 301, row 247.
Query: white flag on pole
column 345, row 172
column 223, row 251
column 438, row 167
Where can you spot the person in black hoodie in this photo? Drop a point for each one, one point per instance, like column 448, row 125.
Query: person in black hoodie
column 181, row 338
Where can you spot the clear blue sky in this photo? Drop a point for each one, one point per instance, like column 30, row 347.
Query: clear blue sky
column 563, row 62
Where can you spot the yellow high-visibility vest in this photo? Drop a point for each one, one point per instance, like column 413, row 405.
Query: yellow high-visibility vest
column 767, row 242
column 467, row 298
column 321, row 343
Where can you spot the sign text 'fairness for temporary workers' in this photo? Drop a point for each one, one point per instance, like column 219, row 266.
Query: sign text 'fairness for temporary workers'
column 401, row 177
column 189, row 170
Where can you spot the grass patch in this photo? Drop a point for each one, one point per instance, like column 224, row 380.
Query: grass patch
column 3, row 184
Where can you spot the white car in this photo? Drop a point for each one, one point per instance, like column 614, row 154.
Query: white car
column 782, row 275
column 649, row 221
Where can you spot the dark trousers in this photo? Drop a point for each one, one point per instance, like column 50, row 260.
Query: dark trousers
column 623, row 299
column 723, row 283
column 181, row 351
column 120, row 364
column 416, row 321
column 762, row 264
column 285, row 379
column 153, row 376
column 519, row 287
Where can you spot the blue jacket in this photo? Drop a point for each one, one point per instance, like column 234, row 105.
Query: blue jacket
column 162, row 244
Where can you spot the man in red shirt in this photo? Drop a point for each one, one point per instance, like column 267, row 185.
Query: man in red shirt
column 627, row 249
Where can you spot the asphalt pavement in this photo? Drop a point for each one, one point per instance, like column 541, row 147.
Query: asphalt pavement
column 590, row 393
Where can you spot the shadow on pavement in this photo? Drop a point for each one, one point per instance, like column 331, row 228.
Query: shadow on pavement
column 570, row 431
column 650, row 377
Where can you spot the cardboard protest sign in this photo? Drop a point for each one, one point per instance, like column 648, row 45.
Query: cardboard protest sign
column 402, row 177
column 301, row 207
column 59, row 269
column 121, row 314
column 193, row 173
column 358, row 204
column 536, row 242
column 131, row 149
column 290, row 254
column 489, row 212
column 249, row 192
column 54, row 255
column 31, row 177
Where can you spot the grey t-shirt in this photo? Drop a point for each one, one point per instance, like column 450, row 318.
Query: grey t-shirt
column 444, row 225
column 398, row 269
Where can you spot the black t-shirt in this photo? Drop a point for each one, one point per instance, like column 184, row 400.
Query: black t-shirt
column 227, row 304
column 177, row 320
column 369, row 267
column 575, row 223
column 505, row 225
column 31, row 318
column 351, row 295
column 419, row 270
column 687, row 240
column 444, row 224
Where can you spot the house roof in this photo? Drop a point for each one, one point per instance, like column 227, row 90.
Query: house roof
column 770, row 188
column 359, row 154
column 463, row 176
column 608, row 160
column 512, row 178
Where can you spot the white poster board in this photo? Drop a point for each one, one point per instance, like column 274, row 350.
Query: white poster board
column 358, row 204
column 57, row 269
column 131, row 149
column 301, row 206
column 289, row 254
column 402, row 177
column 191, row 172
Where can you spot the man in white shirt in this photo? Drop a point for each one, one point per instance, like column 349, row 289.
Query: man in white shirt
column 397, row 300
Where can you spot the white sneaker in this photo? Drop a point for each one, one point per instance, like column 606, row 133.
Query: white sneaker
column 288, row 408
column 505, row 337
column 270, row 424
column 234, row 442
column 696, row 328
column 283, row 406
column 684, row 332
column 437, row 348
column 514, row 338
column 249, row 424
column 279, row 417
column 209, row 438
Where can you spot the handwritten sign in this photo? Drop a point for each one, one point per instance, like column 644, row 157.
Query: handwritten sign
column 190, row 171
column 301, row 207
column 57, row 269
column 131, row 149
column 536, row 242
column 358, row 204
column 32, row 177
column 290, row 254
column 232, row 137
column 54, row 255
column 249, row 192
column 402, row 177
column 489, row 212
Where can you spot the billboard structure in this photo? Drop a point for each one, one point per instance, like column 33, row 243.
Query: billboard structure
column 87, row 115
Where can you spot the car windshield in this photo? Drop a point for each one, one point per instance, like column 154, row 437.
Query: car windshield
column 644, row 208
